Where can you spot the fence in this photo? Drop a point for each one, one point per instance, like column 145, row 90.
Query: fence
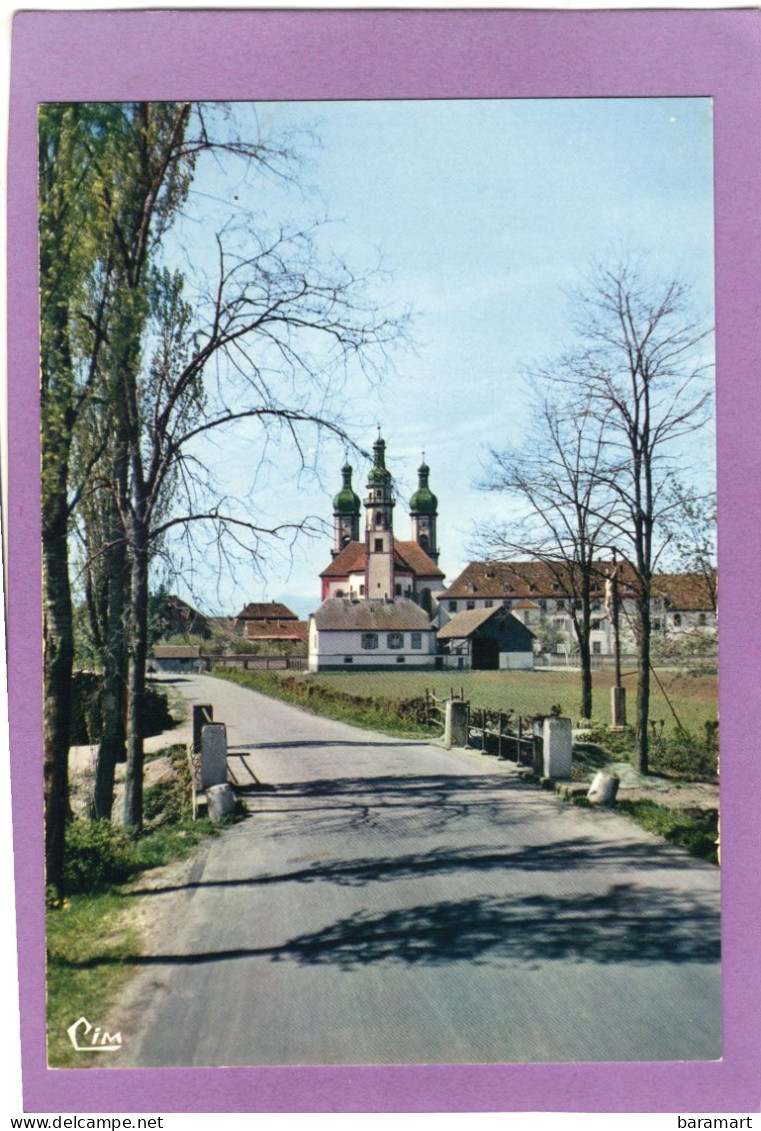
column 253, row 662
column 506, row 734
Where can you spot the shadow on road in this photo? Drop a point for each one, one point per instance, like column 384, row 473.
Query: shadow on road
column 626, row 924
column 563, row 856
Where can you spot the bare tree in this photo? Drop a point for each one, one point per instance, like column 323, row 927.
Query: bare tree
column 642, row 376
column 555, row 480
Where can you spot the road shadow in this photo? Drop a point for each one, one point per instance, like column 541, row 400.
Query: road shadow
column 627, row 924
column 566, row 856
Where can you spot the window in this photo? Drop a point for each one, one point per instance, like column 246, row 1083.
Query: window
column 401, row 659
column 508, row 604
column 395, row 639
column 595, row 625
column 543, row 605
column 702, row 619
column 416, row 640
column 452, row 606
column 470, row 604
column 398, row 589
column 677, row 620
column 369, row 641
column 378, row 518
column 378, row 545
column 488, row 604
column 657, row 625
column 560, row 603
column 348, row 659
column 361, row 590
column 596, row 647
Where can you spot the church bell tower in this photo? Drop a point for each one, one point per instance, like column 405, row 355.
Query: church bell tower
column 424, row 512
column 379, row 530
column 346, row 511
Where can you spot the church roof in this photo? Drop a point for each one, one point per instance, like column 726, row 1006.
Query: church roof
column 340, row 614
column 407, row 556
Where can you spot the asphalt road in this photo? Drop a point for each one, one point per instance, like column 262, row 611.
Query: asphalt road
column 393, row 902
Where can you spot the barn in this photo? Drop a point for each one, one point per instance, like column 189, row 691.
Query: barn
column 486, row 639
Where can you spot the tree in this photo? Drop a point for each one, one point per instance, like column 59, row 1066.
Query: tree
column 563, row 504
column 641, row 375
column 137, row 367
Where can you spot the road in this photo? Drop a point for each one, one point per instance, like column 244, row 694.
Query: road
column 389, row 901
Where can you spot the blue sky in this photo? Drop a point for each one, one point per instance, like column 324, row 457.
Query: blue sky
column 484, row 213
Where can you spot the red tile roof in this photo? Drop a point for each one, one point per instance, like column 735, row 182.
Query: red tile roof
column 686, row 592
column 266, row 610
column 529, row 579
column 523, row 579
column 407, row 556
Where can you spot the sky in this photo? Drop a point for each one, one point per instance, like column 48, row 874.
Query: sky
column 484, row 214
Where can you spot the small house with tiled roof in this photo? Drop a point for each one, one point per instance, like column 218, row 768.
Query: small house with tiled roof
column 346, row 633
column 270, row 622
column 487, row 639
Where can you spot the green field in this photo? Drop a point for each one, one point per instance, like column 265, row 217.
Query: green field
column 694, row 698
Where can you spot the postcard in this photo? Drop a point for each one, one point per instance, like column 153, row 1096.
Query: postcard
column 382, row 448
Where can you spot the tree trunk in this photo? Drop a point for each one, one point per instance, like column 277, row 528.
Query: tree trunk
column 58, row 661
column 585, row 659
column 111, row 749
column 133, row 791
column 643, row 682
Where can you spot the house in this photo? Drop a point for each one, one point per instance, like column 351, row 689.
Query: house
column 271, row 622
column 348, row 633
column 487, row 639
column 543, row 595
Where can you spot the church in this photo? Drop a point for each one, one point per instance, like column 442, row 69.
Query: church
column 378, row 593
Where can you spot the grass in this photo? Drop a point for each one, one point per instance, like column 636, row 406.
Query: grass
column 694, row 830
column 92, row 934
column 694, row 698
column 95, row 929
column 401, row 716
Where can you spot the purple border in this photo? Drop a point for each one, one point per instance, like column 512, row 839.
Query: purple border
column 411, row 54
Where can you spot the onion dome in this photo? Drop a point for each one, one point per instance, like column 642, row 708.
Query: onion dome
column 423, row 501
column 379, row 475
column 346, row 501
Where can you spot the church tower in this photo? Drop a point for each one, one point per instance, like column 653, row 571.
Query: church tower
column 379, row 531
column 346, row 510
column 423, row 512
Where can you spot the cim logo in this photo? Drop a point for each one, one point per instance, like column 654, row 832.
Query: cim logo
column 88, row 1038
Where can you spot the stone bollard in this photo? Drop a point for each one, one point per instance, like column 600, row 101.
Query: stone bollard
column 557, row 742
column 603, row 789
column 203, row 713
column 213, row 755
column 456, row 722
column 220, row 801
